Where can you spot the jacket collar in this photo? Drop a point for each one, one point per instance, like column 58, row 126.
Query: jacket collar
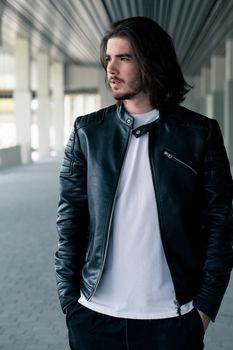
column 128, row 119
column 124, row 116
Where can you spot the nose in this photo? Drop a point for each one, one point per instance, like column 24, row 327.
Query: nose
column 112, row 67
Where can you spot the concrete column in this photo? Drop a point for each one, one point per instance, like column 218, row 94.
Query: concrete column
column 189, row 98
column 22, row 97
column 192, row 100
column 43, row 112
column 205, row 100
column 197, row 93
column 57, row 86
column 217, row 78
column 228, row 100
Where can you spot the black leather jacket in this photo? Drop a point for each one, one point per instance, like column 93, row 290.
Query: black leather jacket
column 193, row 187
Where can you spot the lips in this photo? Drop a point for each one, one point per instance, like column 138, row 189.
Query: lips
column 115, row 83
column 115, row 80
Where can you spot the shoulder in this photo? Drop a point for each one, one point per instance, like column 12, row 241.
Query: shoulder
column 94, row 118
column 190, row 119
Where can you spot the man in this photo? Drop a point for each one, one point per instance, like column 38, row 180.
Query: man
column 145, row 212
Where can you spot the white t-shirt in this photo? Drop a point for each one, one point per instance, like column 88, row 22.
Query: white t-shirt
column 136, row 281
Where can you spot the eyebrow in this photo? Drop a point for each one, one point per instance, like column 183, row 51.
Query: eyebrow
column 120, row 55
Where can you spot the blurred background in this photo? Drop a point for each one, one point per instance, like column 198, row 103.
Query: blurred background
column 50, row 71
column 49, row 74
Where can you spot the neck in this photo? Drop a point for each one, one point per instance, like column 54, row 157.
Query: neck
column 139, row 105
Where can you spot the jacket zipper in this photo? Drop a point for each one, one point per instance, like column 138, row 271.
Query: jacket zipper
column 176, row 302
column 109, row 226
column 171, row 156
column 178, row 308
column 106, row 248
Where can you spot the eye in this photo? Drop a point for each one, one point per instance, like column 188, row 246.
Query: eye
column 125, row 58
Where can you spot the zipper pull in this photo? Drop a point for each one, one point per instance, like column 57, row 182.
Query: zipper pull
column 177, row 307
column 168, row 155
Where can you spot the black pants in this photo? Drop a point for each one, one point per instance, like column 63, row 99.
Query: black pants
column 89, row 330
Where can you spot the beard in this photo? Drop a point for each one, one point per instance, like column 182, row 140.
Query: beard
column 124, row 96
column 134, row 88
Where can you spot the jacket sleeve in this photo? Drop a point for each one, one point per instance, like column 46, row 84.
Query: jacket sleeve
column 217, row 216
column 72, row 222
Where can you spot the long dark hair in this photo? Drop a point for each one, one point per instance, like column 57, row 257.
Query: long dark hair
column 155, row 54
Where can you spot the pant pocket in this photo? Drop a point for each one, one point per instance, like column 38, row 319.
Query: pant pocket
column 199, row 322
column 71, row 311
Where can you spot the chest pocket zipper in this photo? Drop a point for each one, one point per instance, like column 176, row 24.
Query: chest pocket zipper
column 172, row 157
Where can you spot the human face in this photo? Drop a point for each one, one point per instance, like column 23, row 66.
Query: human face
column 123, row 74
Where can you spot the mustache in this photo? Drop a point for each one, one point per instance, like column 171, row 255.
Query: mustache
column 114, row 78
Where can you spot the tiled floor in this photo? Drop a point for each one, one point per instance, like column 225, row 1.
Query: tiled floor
column 30, row 316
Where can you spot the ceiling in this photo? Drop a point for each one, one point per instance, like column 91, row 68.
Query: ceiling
column 71, row 30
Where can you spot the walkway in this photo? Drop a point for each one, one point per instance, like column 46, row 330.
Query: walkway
column 30, row 316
